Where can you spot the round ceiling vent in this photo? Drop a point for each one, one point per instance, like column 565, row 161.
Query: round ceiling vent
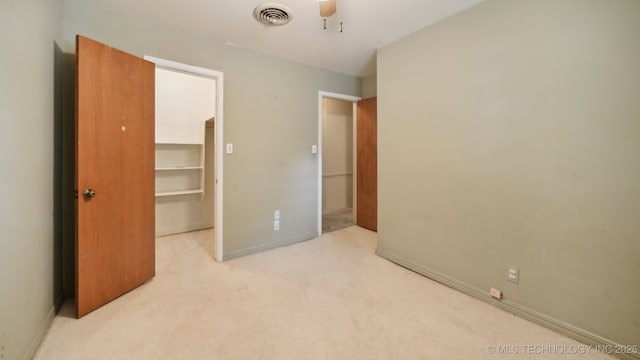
column 272, row 14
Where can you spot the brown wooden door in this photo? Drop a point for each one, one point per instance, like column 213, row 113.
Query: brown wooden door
column 115, row 240
column 367, row 165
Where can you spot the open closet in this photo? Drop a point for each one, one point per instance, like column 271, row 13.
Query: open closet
column 184, row 152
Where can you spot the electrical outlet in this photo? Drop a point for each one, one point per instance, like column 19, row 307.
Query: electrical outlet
column 2, row 346
column 276, row 215
column 495, row 293
column 276, row 225
column 513, row 275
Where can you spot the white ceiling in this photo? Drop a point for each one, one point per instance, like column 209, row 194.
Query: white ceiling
column 368, row 25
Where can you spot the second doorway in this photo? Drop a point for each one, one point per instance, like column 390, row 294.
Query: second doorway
column 338, row 137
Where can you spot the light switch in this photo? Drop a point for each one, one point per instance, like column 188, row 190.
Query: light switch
column 229, row 148
column 314, row 149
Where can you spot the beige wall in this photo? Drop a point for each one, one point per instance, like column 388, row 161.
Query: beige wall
column 270, row 116
column 337, row 155
column 509, row 135
column 30, row 112
column 183, row 103
column 369, row 86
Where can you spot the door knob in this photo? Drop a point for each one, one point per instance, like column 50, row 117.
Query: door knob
column 89, row 193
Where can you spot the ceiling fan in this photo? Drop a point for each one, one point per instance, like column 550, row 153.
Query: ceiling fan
column 328, row 8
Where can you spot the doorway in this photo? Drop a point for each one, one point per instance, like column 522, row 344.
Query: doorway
column 189, row 159
column 337, row 165
column 337, row 161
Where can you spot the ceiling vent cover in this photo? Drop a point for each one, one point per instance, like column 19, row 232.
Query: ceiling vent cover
column 272, row 14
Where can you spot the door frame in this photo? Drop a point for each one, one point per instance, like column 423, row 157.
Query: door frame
column 331, row 95
column 218, row 132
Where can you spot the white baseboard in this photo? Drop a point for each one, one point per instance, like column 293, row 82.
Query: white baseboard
column 37, row 340
column 183, row 229
column 549, row 322
column 269, row 246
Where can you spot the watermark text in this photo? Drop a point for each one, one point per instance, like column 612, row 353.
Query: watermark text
column 531, row 349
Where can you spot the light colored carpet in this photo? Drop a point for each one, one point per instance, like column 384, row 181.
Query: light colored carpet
column 336, row 220
column 327, row 298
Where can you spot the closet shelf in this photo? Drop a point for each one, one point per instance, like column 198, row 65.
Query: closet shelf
column 181, row 192
column 171, row 168
column 179, row 169
column 179, row 144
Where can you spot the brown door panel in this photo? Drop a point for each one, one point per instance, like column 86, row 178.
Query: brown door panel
column 115, row 241
column 367, row 165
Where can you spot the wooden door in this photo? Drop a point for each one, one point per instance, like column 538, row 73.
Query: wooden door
column 115, row 214
column 367, row 165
